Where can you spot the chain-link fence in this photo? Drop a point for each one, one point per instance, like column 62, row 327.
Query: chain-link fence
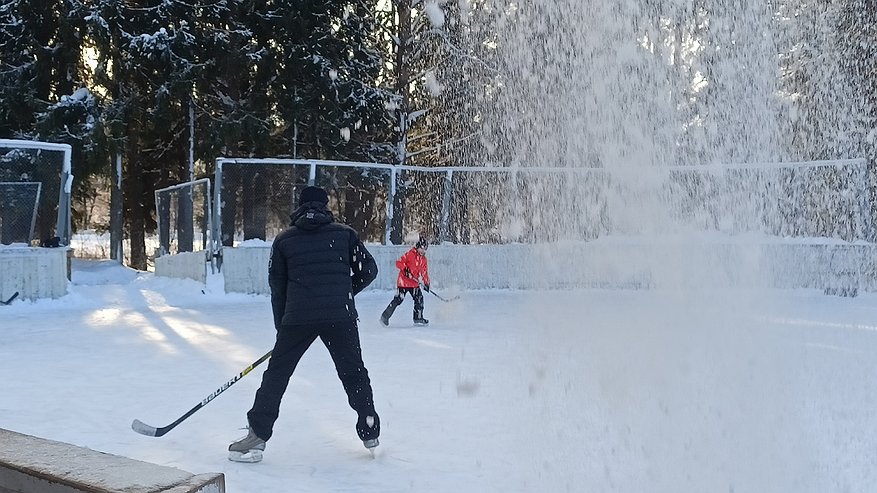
column 184, row 214
column 807, row 199
column 473, row 205
column 49, row 166
column 19, row 202
column 460, row 204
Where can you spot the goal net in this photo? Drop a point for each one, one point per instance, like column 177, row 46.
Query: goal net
column 184, row 213
column 43, row 171
column 19, row 202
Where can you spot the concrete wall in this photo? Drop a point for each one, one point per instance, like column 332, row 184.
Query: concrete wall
column 245, row 270
column 611, row 264
column 33, row 272
column 186, row 265
column 35, row 465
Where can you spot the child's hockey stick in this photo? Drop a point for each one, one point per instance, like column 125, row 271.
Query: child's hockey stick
column 446, row 300
column 11, row 298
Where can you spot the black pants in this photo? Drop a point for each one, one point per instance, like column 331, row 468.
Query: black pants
column 416, row 293
column 342, row 341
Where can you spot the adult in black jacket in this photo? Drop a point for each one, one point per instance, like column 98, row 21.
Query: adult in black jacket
column 317, row 267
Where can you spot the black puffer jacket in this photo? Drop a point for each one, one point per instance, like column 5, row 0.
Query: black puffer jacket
column 316, row 268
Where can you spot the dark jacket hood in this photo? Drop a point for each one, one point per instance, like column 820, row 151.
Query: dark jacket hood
column 311, row 215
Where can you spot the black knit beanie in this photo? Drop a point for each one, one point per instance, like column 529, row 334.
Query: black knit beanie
column 313, row 194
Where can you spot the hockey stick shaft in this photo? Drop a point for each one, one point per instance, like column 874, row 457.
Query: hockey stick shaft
column 446, row 300
column 11, row 298
column 145, row 429
column 431, row 291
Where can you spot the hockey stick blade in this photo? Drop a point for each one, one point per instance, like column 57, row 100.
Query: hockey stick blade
column 11, row 298
column 145, row 429
column 446, row 300
column 152, row 431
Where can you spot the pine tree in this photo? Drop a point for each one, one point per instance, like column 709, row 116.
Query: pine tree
column 325, row 89
column 42, row 73
column 233, row 108
column 145, row 66
column 25, row 73
column 326, row 67
column 857, row 30
column 43, row 93
column 436, row 73
column 858, row 60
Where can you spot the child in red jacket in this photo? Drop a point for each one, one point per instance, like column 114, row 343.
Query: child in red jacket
column 413, row 270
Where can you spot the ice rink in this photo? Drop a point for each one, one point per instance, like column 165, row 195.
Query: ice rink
column 585, row 390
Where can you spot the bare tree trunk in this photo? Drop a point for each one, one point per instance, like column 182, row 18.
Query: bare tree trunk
column 185, row 213
column 136, row 213
column 231, row 183
column 117, row 215
column 403, row 75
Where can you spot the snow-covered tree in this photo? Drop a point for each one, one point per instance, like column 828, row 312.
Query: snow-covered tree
column 324, row 64
column 43, row 83
column 146, row 64
column 436, row 72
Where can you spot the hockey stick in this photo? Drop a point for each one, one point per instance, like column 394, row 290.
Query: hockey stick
column 11, row 298
column 446, row 300
column 145, row 429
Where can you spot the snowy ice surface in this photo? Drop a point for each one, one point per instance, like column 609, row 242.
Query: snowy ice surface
column 586, row 390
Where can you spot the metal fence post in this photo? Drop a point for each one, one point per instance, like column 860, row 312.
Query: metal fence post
column 868, row 219
column 216, row 230
column 444, row 227
column 390, row 212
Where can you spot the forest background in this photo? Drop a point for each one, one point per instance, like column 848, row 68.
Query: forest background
column 167, row 86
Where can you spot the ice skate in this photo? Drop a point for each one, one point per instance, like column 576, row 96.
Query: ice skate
column 370, row 422
column 421, row 321
column 247, row 449
column 388, row 311
column 371, row 445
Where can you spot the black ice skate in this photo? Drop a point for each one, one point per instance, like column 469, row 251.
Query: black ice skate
column 369, row 443
column 388, row 311
column 421, row 321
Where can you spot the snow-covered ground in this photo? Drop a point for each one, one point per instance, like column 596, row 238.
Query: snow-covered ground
column 587, row 390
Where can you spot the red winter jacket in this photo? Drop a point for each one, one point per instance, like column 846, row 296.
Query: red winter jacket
column 416, row 263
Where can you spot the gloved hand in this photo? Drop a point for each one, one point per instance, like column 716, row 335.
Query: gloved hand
column 407, row 273
column 426, row 287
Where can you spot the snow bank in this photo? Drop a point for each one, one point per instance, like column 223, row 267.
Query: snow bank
column 28, row 463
